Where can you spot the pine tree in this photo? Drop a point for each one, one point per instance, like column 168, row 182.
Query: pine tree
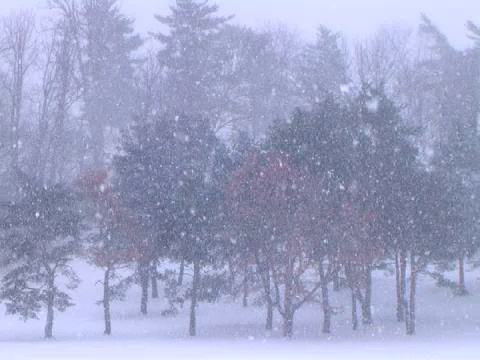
column 321, row 141
column 105, row 42
column 41, row 238
column 108, row 69
column 169, row 176
column 198, row 203
column 146, row 180
column 387, row 181
column 454, row 80
column 188, row 58
column 323, row 67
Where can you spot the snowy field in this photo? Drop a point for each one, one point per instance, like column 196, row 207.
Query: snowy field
column 447, row 328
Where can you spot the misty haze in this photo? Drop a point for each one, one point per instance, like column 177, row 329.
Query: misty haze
column 205, row 179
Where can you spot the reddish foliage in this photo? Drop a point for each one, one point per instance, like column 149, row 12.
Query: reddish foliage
column 358, row 244
column 285, row 210
column 266, row 183
column 112, row 220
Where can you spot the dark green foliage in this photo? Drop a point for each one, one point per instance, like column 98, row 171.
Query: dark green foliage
column 40, row 237
column 386, row 163
column 145, row 179
column 321, row 140
column 323, row 67
column 192, row 73
column 170, row 177
column 211, row 288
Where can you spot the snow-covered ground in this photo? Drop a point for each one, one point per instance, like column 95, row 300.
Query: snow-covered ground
column 447, row 328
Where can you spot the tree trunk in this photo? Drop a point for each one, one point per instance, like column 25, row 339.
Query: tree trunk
column 367, row 300
column 354, row 311
column 59, row 161
column 193, row 304
column 144, row 277
column 245, row 286
column 181, row 272
column 268, row 295
column 336, row 279
column 288, row 323
column 400, row 307
column 154, row 287
column 413, row 289
column 154, row 277
column 288, row 301
column 462, row 288
column 97, row 144
column 231, row 277
column 50, row 304
column 106, row 302
column 403, row 286
column 269, row 322
column 327, row 314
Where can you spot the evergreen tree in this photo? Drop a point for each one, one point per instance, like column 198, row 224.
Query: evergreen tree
column 146, row 180
column 105, row 42
column 187, row 58
column 41, row 238
column 454, row 80
column 388, row 184
column 322, row 142
column 109, row 43
column 169, row 176
column 323, row 67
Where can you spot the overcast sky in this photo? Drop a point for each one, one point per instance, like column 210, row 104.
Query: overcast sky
column 356, row 18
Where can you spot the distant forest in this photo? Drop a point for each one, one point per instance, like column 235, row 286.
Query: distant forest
column 265, row 166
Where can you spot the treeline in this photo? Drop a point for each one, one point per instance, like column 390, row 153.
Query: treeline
column 274, row 169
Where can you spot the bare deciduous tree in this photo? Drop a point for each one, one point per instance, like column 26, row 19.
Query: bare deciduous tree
column 18, row 55
column 379, row 59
